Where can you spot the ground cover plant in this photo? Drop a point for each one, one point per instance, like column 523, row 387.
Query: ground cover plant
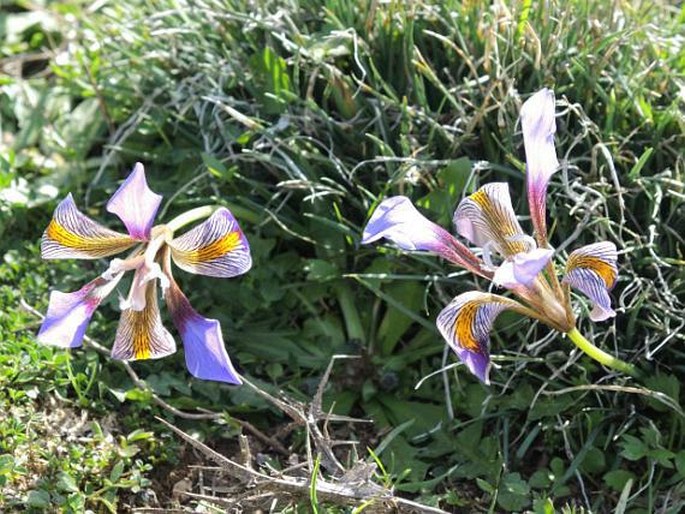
column 301, row 118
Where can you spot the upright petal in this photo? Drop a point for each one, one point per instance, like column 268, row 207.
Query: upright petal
column 466, row 323
column 140, row 334
column 217, row 247
column 397, row 220
column 592, row 270
column 538, row 126
column 522, row 268
column 487, row 219
column 69, row 313
column 73, row 235
column 135, row 204
column 206, row 356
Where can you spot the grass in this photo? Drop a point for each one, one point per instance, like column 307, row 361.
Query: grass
column 300, row 117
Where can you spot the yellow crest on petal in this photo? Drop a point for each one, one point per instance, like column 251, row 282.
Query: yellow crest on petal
column 96, row 247
column 215, row 249
column 464, row 327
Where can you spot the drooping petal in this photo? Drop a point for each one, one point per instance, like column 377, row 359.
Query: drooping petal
column 592, row 270
column 73, row 235
column 137, row 296
column 538, row 126
column 217, row 247
column 135, row 204
column 140, row 334
column 522, row 268
column 397, row 220
column 69, row 313
column 487, row 219
column 203, row 343
column 466, row 323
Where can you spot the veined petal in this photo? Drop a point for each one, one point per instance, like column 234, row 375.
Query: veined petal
column 487, row 219
column 206, row 356
column 397, row 220
column 592, row 270
column 217, row 247
column 522, row 268
column 140, row 334
column 73, row 235
column 135, row 204
column 538, row 126
column 466, row 323
column 69, row 313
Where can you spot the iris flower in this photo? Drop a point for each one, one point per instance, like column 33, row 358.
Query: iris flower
column 216, row 248
column 511, row 259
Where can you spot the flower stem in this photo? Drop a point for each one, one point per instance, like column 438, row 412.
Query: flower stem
column 192, row 215
column 601, row 356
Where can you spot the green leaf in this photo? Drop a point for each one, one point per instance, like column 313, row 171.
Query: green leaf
column 6, row 464
column 271, row 70
column 618, row 478
column 454, row 176
column 66, row 483
column 637, row 168
column 594, row 461
column 666, row 384
column 117, row 471
column 396, row 321
column 217, row 168
column 543, row 506
column 513, row 492
column 633, row 448
column 485, row 486
column 680, row 462
column 540, row 479
column 320, row 270
column 38, row 498
column 662, row 456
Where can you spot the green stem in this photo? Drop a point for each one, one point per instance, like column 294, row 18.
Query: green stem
column 601, row 356
column 192, row 215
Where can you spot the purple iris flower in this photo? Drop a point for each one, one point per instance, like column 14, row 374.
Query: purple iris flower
column 511, row 258
column 216, row 247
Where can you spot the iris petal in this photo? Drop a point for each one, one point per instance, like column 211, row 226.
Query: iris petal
column 217, row 247
column 466, row 323
column 203, row 343
column 592, row 270
column 487, row 218
column 397, row 220
column 69, row 313
column 135, row 204
column 538, row 126
column 140, row 334
column 522, row 268
column 73, row 235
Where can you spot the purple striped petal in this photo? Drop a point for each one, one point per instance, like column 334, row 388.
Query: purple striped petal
column 487, row 219
column 69, row 313
column 73, row 235
column 538, row 126
column 135, row 204
column 397, row 220
column 466, row 323
column 140, row 334
column 522, row 268
column 205, row 352
column 592, row 270
column 217, row 247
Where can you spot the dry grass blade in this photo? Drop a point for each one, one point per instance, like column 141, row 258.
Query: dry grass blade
column 262, row 488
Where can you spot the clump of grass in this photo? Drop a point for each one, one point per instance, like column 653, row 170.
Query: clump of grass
column 57, row 449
